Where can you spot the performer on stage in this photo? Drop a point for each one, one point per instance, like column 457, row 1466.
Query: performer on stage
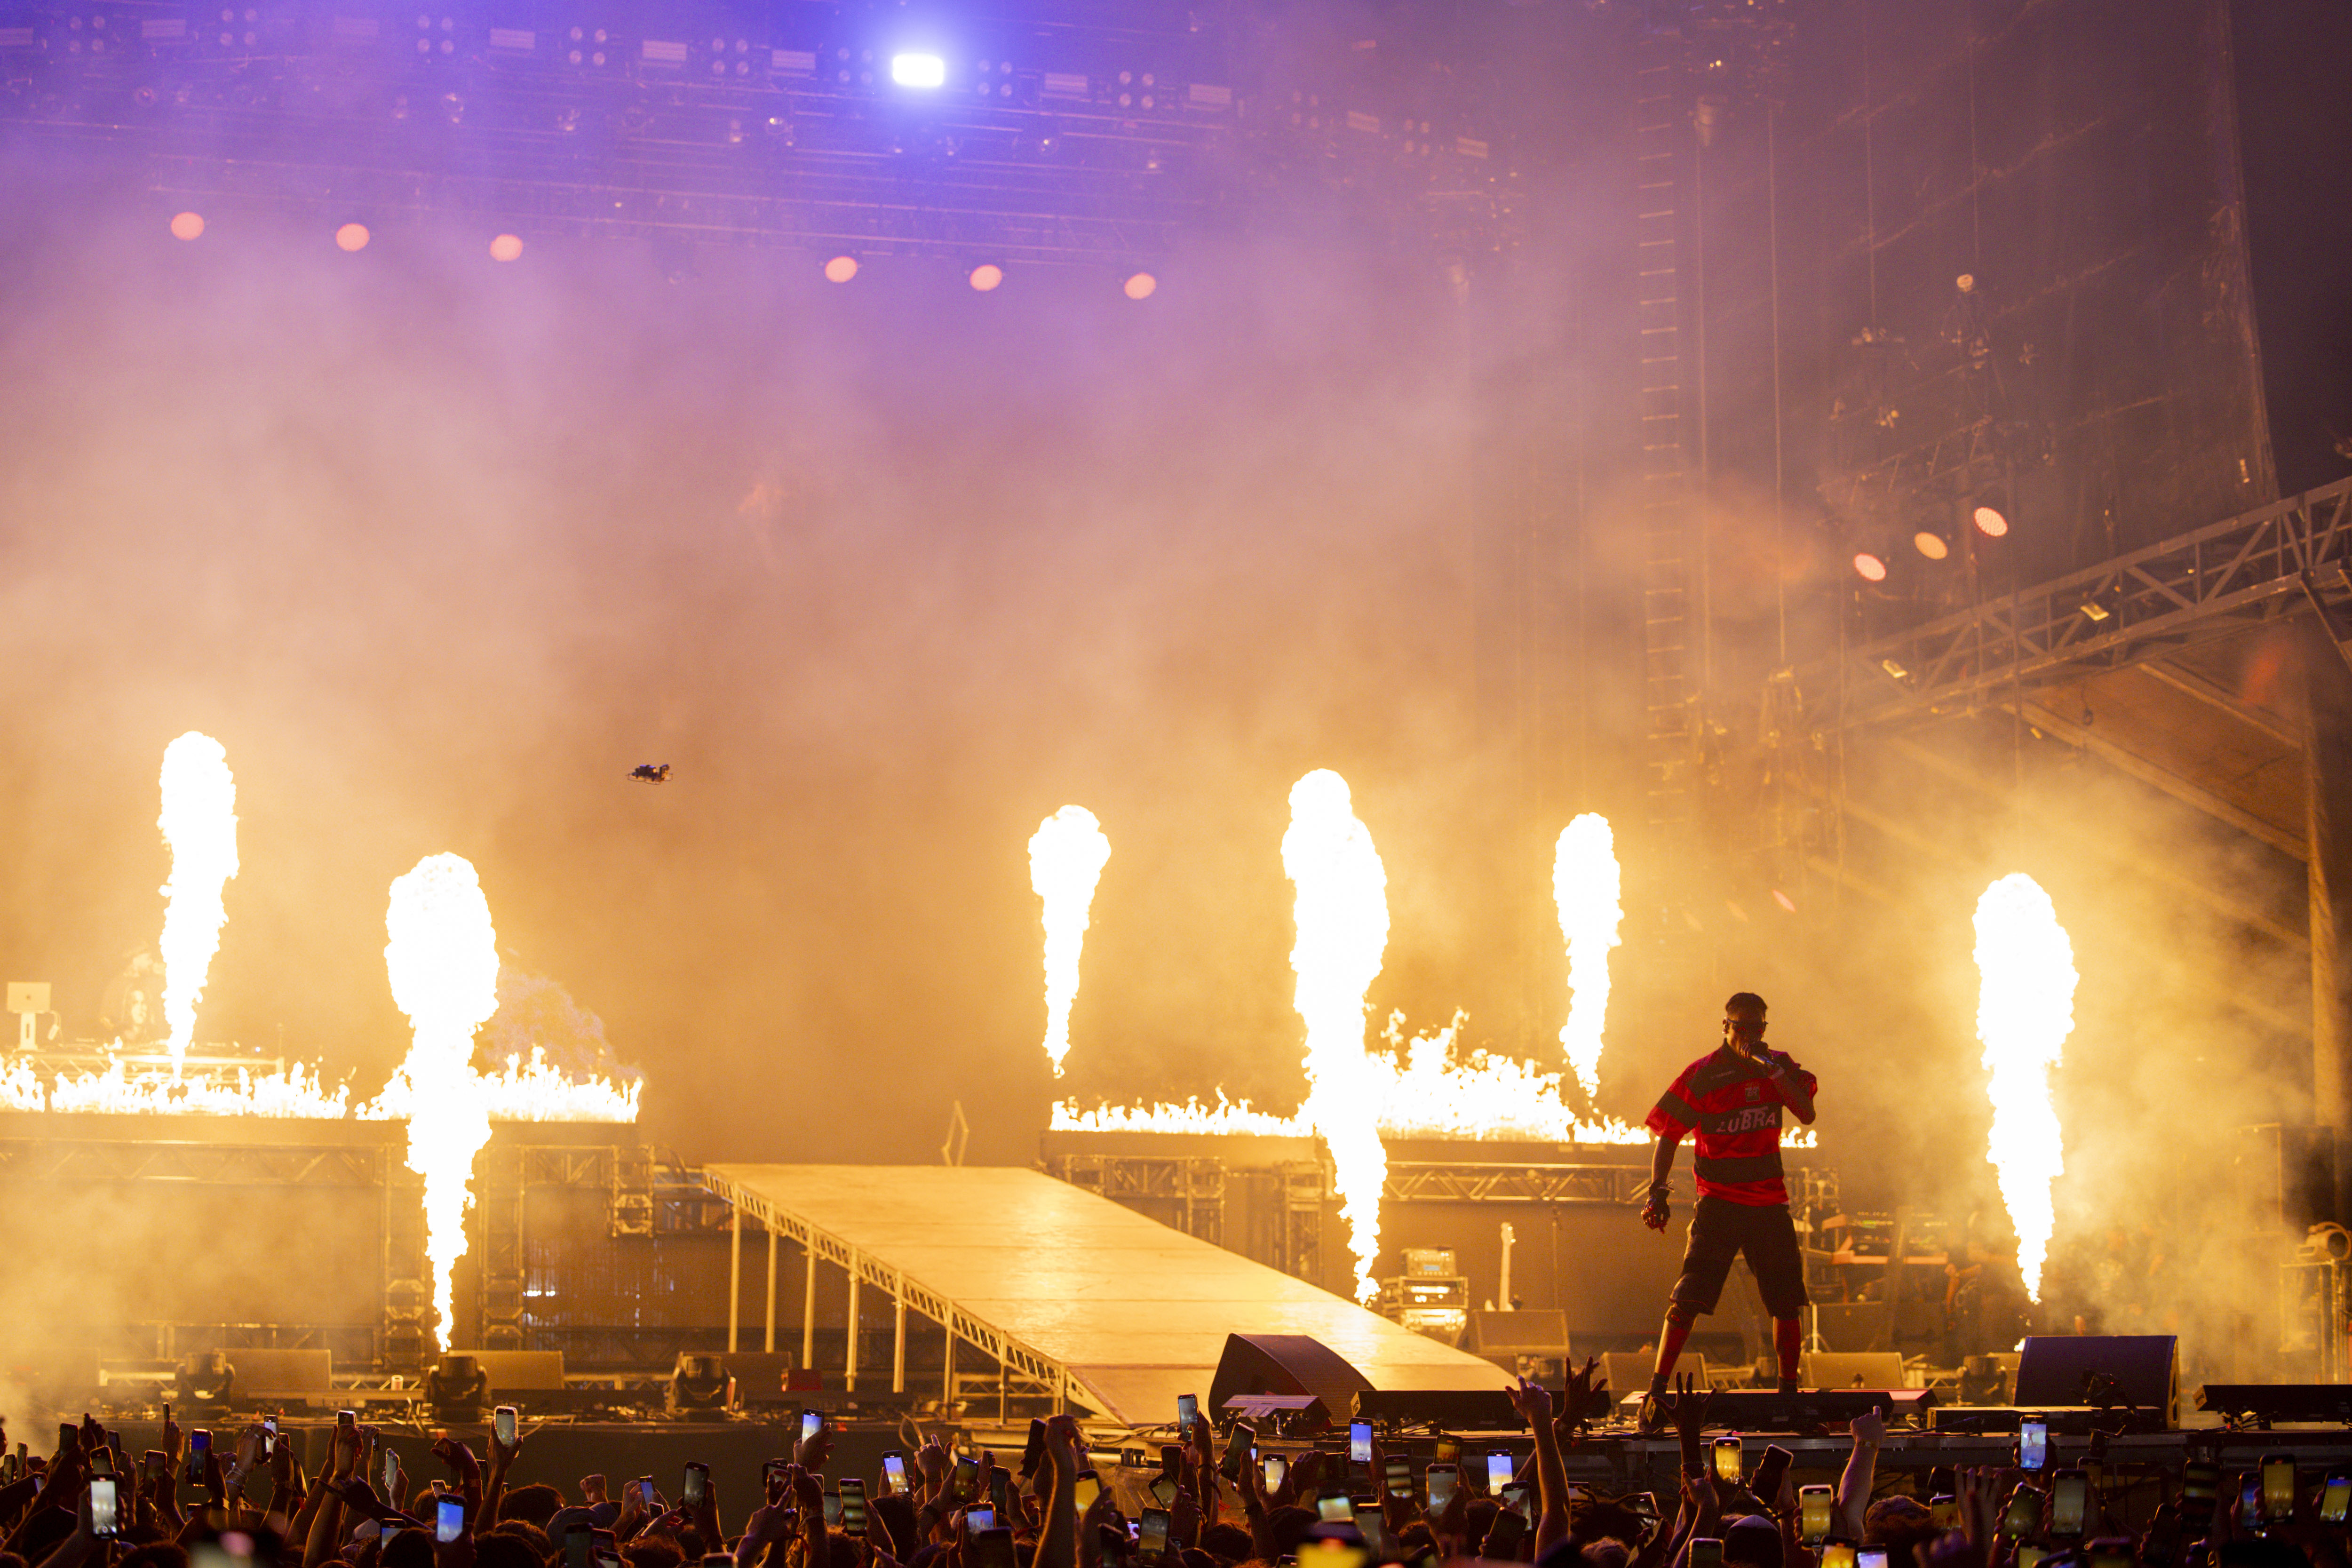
column 1732, row 1099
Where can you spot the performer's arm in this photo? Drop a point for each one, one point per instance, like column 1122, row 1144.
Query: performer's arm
column 1654, row 1212
column 1795, row 1092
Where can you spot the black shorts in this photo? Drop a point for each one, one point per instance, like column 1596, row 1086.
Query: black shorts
column 1720, row 1231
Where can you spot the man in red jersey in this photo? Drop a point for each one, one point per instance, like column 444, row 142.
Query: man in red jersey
column 1732, row 1099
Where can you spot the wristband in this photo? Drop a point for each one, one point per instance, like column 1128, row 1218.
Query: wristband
column 1660, row 1189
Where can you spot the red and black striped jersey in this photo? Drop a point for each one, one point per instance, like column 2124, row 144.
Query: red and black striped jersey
column 1735, row 1110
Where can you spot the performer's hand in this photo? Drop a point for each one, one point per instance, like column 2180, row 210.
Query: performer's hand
column 1656, row 1212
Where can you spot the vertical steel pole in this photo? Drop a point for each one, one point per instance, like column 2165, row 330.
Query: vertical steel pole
column 849, row 1362
column 898, row 1337
column 734, row 1272
column 770, row 1345
column 808, row 1305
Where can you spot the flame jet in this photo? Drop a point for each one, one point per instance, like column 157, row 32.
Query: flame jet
column 2025, row 1010
column 1585, row 885
column 443, row 958
column 1066, row 856
column 199, row 823
column 1343, row 914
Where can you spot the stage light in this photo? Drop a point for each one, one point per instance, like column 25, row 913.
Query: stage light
column 187, row 225
column 507, row 247
column 1141, row 286
column 1869, row 567
column 1931, row 544
column 987, row 276
column 1989, row 520
column 919, row 71
column 456, row 1388
column 352, row 237
column 841, row 269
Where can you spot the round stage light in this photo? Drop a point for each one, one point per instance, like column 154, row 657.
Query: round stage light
column 1990, row 521
column 352, row 237
column 507, row 247
column 1141, row 286
column 987, row 276
column 187, row 225
column 1931, row 544
column 841, row 269
column 1869, row 567
column 917, row 71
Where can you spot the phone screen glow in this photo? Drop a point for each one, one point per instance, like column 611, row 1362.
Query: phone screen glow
column 1360, row 1442
column 2032, row 1445
column 2066, row 1501
column 2337, row 1500
column 1499, row 1472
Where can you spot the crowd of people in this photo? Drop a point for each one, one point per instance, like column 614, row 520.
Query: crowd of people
column 259, row 1507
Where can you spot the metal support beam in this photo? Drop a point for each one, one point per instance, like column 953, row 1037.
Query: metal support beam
column 898, row 1341
column 2327, row 688
column 2171, row 782
column 734, row 1274
column 770, row 1343
column 2211, row 583
column 808, row 1306
column 849, row 1362
column 2191, row 683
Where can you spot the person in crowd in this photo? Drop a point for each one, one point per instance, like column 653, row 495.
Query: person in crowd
column 259, row 1507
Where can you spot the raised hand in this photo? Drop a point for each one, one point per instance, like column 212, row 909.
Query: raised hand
column 813, row 1454
column 1533, row 1402
column 1688, row 1408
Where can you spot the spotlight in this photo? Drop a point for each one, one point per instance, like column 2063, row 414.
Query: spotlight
column 1141, row 286
column 507, row 247
column 1869, row 567
column 187, row 225
column 841, row 269
column 919, row 71
column 1931, row 544
column 457, row 1389
column 352, row 237
column 987, row 276
column 1989, row 519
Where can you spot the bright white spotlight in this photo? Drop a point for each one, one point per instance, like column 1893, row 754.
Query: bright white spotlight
column 919, row 71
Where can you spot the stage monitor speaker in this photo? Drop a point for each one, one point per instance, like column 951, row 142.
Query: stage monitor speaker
column 2137, row 1371
column 1855, row 1326
column 1287, row 1364
column 1543, row 1332
column 2269, row 1402
column 1447, row 1409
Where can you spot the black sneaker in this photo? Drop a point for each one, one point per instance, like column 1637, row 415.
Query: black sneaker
column 1652, row 1421
column 1788, row 1385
